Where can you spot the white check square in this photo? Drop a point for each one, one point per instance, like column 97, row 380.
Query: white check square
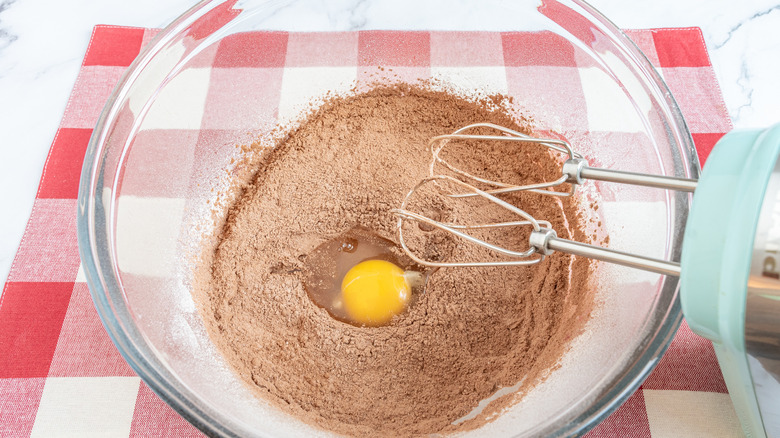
column 86, row 407
column 691, row 414
column 618, row 103
column 489, row 79
column 302, row 85
column 181, row 102
column 147, row 234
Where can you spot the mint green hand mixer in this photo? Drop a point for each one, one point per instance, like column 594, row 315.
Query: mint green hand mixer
column 729, row 268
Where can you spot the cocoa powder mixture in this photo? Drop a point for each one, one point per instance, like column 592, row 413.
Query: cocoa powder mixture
column 473, row 330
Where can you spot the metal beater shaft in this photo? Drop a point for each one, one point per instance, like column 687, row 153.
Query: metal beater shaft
column 547, row 242
column 639, row 179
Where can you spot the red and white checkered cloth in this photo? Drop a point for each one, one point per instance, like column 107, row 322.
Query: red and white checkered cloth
column 60, row 375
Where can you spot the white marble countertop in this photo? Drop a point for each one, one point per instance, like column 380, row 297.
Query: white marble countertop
column 42, row 43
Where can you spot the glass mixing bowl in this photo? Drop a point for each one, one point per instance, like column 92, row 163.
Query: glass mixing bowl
column 166, row 142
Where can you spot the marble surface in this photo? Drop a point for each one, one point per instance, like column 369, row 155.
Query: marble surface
column 42, row 43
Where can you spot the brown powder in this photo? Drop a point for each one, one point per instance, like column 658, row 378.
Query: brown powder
column 473, row 331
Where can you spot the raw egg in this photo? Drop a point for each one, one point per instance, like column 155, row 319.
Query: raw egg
column 374, row 291
column 362, row 279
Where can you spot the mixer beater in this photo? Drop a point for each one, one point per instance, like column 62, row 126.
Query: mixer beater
column 543, row 240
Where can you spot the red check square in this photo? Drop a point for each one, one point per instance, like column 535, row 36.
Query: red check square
column 554, row 95
column 570, row 20
column 252, row 49
column 629, row 420
column 214, row 19
column 242, row 98
column 689, row 365
column 152, row 416
column 463, row 49
column 216, row 152
column 63, row 167
column 114, row 46
column 156, row 162
column 320, row 49
column 216, row 149
column 537, row 48
column 681, row 48
column 368, row 77
column 93, row 88
column 49, row 250
column 699, row 97
column 385, row 48
column 704, row 144
column 19, row 401
column 31, row 316
column 84, row 348
column 644, row 40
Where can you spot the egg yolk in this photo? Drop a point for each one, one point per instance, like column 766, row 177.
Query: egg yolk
column 374, row 291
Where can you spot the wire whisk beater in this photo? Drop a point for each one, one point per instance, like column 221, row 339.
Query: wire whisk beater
column 543, row 240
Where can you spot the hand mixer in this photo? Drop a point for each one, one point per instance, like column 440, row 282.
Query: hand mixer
column 729, row 268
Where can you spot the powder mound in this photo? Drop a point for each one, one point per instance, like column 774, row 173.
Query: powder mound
column 473, row 331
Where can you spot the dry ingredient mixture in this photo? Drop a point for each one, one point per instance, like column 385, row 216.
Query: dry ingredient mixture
column 472, row 331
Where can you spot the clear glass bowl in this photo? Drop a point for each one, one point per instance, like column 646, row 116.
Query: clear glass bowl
column 167, row 136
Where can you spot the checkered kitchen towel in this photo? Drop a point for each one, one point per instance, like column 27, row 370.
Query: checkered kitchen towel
column 61, row 376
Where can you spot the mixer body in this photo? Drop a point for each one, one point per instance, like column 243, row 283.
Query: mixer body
column 762, row 308
column 730, row 280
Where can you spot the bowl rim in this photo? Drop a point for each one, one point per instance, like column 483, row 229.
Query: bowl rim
column 107, row 294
